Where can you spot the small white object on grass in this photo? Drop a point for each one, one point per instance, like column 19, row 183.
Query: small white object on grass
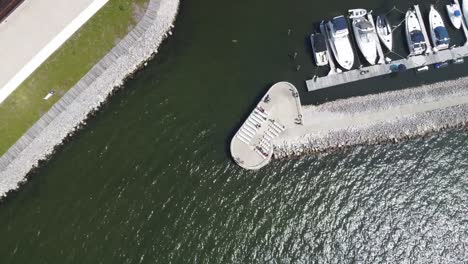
column 49, row 95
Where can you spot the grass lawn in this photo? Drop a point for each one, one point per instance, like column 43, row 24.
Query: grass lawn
column 66, row 67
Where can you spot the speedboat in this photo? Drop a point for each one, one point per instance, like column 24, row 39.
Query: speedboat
column 384, row 31
column 338, row 37
column 439, row 33
column 319, row 48
column 414, row 35
column 455, row 15
column 364, row 32
column 465, row 10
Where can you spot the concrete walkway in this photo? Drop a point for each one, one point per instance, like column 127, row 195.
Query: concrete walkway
column 34, row 31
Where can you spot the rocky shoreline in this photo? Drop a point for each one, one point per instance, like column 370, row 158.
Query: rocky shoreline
column 70, row 113
column 413, row 117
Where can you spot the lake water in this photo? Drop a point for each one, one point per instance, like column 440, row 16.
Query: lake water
column 150, row 179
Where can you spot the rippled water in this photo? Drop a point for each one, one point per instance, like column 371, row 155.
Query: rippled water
column 150, row 179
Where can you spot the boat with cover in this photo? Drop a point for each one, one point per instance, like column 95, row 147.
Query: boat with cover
column 439, row 34
column 364, row 33
column 455, row 15
column 414, row 35
column 319, row 48
column 338, row 37
column 384, row 31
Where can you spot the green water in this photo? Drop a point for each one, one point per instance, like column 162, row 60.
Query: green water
column 150, row 179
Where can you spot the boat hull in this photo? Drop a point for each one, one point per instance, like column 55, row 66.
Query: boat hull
column 366, row 42
column 321, row 58
column 341, row 49
column 437, row 25
column 413, row 26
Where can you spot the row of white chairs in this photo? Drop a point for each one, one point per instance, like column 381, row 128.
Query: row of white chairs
column 251, row 126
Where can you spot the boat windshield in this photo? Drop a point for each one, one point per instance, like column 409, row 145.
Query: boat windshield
column 441, row 35
column 417, row 36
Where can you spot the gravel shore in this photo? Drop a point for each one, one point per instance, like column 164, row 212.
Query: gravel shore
column 373, row 119
column 68, row 115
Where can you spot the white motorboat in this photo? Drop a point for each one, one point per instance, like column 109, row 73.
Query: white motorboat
column 455, row 15
column 384, row 31
column 439, row 34
column 319, row 48
column 414, row 35
column 338, row 37
column 358, row 12
column 364, row 33
column 465, row 10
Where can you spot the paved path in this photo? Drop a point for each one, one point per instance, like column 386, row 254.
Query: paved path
column 34, row 31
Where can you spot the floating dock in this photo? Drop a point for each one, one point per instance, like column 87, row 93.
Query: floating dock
column 423, row 29
column 411, row 62
column 279, row 110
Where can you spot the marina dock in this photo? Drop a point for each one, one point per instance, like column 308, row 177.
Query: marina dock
column 411, row 62
column 279, row 110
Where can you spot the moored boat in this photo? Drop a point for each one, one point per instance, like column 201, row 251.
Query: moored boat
column 384, row 31
column 414, row 35
column 455, row 15
column 338, row 37
column 319, row 48
column 439, row 34
column 364, row 33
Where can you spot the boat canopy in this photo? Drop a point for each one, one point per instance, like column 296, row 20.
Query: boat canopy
column 441, row 35
column 457, row 13
column 417, row 36
column 319, row 43
column 339, row 23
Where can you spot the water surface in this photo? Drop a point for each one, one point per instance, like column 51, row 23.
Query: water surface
column 150, row 179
